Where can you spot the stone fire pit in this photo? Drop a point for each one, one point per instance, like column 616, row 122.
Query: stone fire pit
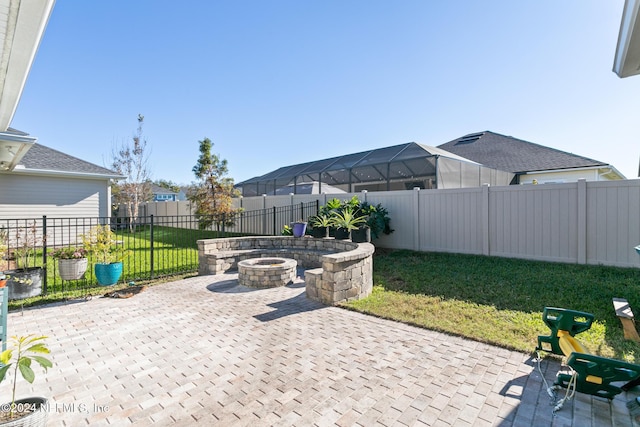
column 266, row 272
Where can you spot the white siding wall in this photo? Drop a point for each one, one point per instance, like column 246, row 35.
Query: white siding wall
column 565, row 176
column 34, row 196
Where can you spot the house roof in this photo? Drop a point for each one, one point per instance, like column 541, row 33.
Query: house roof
column 156, row 189
column 515, row 155
column 42, row 159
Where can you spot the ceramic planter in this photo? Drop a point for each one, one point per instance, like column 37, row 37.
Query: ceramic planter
column 299, row 228
column 72, row 269
column 37, row 418
column 24, row 282
column 108, row 274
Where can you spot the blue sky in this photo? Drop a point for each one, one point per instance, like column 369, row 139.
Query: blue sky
column 275, row 83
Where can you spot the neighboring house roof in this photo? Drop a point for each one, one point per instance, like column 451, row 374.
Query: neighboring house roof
column 44, row 160
column 156, row 189
column 515, row 155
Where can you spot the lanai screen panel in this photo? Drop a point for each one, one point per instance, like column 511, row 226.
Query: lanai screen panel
column 456, row 174
column 413, row 168
column 313, row 170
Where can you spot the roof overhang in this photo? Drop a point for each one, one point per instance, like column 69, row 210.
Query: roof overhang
column 12, row 148
column 65, row 174
column 21, row 31
column 627, row 60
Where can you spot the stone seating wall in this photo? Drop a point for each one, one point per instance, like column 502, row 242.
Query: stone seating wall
column 336, row 270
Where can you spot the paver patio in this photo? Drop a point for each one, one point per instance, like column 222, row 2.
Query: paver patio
column 206, row 350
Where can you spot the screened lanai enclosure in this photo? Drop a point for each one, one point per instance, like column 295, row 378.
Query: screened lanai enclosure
column 399, row 167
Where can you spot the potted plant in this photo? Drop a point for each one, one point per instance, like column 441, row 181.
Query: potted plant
column 286, row 230
column 345, row 221
column 329, row 210
column 30, row 411
column 320, row 225
column 108, row 253
column 25, row 280
column 377, row 219
column 299, row 228
column 72, row 262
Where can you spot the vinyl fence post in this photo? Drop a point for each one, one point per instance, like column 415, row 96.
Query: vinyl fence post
column 416, row 219
column 582, row 221
column 485, row 218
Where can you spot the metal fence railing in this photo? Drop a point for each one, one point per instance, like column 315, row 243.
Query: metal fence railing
column 158, row 246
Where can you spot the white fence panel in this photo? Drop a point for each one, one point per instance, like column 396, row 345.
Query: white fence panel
column 613, row 223
column 534, row 222
column 450, row 220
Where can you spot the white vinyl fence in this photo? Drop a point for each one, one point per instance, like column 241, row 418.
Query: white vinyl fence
column 580, row 222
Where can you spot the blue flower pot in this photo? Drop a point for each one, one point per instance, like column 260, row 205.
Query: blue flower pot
column 299, row 228
column 108, row 274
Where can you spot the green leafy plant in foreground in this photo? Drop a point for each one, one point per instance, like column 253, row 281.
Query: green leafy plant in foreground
column 27, row 349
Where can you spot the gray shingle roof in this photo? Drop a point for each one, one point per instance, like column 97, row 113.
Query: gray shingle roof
column 41, row 157
column 514, row 155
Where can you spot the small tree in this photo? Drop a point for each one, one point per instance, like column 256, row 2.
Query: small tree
column 169, row 185
column 131, row 161
column 213, row 193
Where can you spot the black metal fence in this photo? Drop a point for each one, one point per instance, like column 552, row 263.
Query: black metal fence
column 158, row 246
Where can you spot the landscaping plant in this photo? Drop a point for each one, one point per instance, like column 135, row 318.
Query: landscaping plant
column 27, row 349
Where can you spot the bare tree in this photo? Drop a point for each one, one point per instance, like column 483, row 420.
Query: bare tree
column 131, row 160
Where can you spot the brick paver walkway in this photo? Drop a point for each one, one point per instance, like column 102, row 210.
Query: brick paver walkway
column 205, row 350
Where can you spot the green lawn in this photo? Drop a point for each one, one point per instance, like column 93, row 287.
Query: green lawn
column 499, row 300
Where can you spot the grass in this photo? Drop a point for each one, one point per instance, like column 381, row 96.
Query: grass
column 500, row 301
